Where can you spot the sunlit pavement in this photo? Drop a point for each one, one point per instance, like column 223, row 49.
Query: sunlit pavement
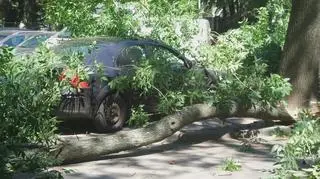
column 196, row 152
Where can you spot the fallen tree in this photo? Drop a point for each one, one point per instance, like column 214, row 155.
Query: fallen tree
column 76, row 148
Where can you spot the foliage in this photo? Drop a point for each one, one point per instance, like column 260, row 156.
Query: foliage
column 261, row 41
column 167, row 20
column 245, row 57
column 29, row 91
column 249, row 56
column 89, row 18
column 231, row 165
column 138, row 117
column 241, row 54
column 300, row 155
column 174, row 86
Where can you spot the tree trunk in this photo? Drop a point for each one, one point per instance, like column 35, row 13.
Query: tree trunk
column 87, row 147
column 301, row 53
column 2, row 9
column 33, row 11
column 29, row 12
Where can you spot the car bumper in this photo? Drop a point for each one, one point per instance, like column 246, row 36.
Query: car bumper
column 75, row 105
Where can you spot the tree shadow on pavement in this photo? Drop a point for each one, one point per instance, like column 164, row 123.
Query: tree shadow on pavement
column 191, row 137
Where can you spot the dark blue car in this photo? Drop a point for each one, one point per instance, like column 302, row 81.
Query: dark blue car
column 107, row 109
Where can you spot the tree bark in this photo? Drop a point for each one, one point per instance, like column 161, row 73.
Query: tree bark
column 301, row 53
column 84, row 147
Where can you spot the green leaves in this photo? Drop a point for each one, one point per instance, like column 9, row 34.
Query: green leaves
column 231, row 165
column 89, row 18
column 30, row 91
column 139, row 117
column 302, row 148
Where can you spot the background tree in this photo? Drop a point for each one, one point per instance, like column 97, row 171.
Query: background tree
column 301, row 53
column 30, row 12
column 1, row 9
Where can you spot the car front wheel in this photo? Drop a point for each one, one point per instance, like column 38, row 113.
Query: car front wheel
column 111, row 114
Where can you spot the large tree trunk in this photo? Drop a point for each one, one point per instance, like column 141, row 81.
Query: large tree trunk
column 301, row 53
column 87, row 147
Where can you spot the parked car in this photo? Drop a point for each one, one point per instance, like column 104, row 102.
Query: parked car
column 32, row 43
column 12, row 38
column 95, row 100
column 48, row 38
column 6, row 33
column 58, row 38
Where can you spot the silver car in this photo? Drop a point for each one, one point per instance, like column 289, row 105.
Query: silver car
column 6, row 33
column 33, row 42
column 14, row 38
column 47, row 38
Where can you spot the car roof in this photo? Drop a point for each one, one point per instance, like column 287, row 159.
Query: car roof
column 9, row 31
column 28, row 32
column 117, row 43
column 107, row 41
column 6, row 33
column 90, row 40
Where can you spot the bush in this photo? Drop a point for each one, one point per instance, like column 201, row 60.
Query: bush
column 29, row 91
column 300, row 156
column 249, row 57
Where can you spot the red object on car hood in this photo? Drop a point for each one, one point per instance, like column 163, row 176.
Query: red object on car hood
column 75, row 81
column 83, row 84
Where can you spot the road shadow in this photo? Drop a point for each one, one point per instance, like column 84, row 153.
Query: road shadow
column 201, row 146
column 73, row 127
column 195, row 136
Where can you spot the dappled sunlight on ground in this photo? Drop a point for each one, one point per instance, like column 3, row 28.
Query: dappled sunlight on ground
column 197, row 151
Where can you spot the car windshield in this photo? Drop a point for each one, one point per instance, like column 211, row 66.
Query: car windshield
column 14, row 40
column 4, row 34
column 36, row 40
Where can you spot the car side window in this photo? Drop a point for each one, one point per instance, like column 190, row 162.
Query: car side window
column 130, row 55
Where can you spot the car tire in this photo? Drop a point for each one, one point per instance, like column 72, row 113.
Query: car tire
column 111, row 114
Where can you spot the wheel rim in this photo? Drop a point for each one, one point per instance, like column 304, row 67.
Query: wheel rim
column 112, row 112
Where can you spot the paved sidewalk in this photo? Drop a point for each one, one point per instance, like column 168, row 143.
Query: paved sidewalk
column 196, row 152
